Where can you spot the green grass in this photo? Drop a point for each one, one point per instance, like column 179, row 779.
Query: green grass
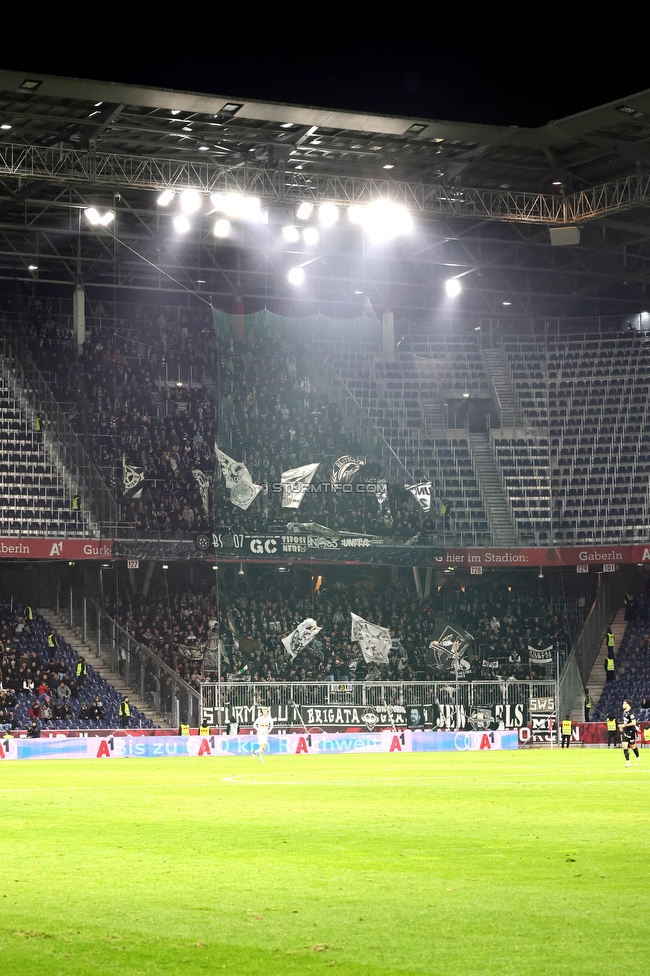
column 504, row 863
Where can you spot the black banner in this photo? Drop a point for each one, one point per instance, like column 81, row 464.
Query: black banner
column 282, row 547
column 367, row 718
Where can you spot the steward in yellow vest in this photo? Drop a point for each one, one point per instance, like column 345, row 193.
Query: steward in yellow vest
column 204, row 730
column 612, row 731
column 125, row 713
column 567, row 726
column 185, row 729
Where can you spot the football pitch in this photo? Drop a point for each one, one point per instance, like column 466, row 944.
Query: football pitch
column 529, row 862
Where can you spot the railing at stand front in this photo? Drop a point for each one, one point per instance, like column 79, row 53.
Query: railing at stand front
column 462, row 704
column 142, row 671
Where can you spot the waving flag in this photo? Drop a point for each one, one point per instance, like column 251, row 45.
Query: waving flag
column 422, row 494
column 133, row 480
column 238, row 479
column 203, row 484
column 299, row 638
column 344, row 469
column 374, row 641
column 295, row 482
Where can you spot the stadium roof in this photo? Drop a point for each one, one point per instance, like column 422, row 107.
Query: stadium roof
column 485, row 195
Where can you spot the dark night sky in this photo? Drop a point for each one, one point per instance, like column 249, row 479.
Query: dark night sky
column 511, row 84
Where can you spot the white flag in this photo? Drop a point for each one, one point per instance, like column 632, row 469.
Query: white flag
column 375, row 642
column 299, row 638
column 422, row 494
column 295, row 482
column 238, row 479
column 244, row 494
column 203, row 484
column 233, row 471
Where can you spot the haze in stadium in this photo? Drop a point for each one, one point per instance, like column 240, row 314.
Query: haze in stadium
column 324, row 512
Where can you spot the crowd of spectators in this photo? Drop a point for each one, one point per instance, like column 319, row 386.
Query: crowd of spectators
column 123, row 402
column 125, row 410
column 252, row 618
column 40, row 687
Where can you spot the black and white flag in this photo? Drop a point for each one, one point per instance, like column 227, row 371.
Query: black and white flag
column 234, row 472
column 299, row 638
column 540, row 655
column 238, row 479
column 447, row 653
column 203, row 484
column 295, row 482
column 133, row 480
column 375, row 642
column 344, row 470
column 244, row 494
column 422, row 494
column 381, row 492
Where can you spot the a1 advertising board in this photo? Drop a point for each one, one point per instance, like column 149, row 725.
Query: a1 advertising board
column 159, row 747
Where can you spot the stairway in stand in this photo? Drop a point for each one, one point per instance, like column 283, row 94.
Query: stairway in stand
column 113, row 679
column 596, row 681
column 491, row 486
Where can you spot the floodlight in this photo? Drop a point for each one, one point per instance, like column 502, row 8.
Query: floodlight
column 96, row 218
column 304, row 211
column 222, row 228
column 356, row 214
column 190, row 201
column 452, row 287
column 384, row 220
column 290, row 234
column 296, row 276
column 165, row 198
column 237, row 205
column 181, row 224
column 328, row 214
column 310, row 236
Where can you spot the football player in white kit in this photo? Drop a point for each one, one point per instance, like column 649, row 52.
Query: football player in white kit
column 262, row 725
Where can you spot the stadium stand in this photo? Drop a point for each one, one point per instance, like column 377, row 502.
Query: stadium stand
column 632, row 679
column 35, row 492
column 251, row 621
column 35, row 679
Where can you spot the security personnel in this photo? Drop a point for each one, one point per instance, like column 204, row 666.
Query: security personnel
column 52, row 641
column 612, row 731
column 588, row 704
column 184, row 729
column 610, row 640
column 610, row 665
column 28, row 614
column 38, row 424
column 567, row 727
column 76, row 503
column 125, row 713
column 204, row 730
column 82, row 671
